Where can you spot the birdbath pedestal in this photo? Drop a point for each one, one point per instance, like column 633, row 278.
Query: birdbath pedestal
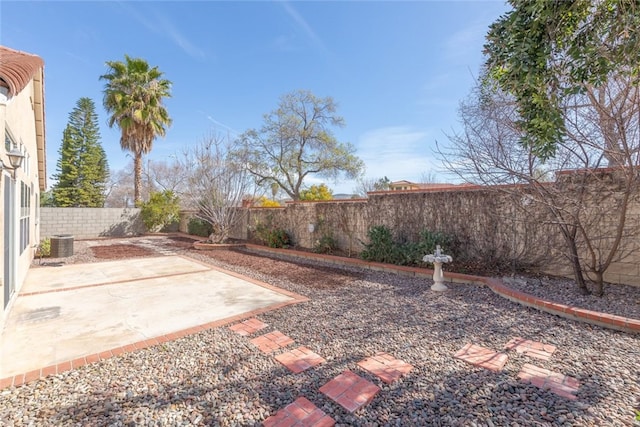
column 437, row 259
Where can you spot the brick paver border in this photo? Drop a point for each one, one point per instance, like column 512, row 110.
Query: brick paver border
column 482, row 357
column 300, row 359
column 531, row 348
column 557, row 383
column 350, row 391
column 385, row 366
column 300, row 413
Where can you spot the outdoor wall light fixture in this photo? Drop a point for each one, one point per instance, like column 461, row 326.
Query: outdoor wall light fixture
column 311, row 228
column 15, row 158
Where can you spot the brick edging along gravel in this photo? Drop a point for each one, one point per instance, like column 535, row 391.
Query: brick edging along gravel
column 605, row 320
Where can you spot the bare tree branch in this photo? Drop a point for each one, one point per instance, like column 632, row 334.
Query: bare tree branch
column 217, row 183
column 585, row 189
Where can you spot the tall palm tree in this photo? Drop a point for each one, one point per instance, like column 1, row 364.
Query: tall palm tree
column 133, row 96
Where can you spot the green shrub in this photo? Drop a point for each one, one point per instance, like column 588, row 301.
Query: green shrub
column 272, row 236
column 199, row 227
column 44, row 248
column 278, row 238
column 381, row 246
column 327, row 244
column 430, row 239
column 409, row 253
column 414, row 252
column 161, row 210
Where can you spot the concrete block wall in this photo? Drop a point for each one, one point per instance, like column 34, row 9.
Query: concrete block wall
column 87, row 223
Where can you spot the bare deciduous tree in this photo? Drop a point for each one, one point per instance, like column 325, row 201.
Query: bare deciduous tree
column 216, row 185
column 428, row 177
column 586, row 189
column 164, row 175
column 119, row 189
column 366, row 185
column 156, row 176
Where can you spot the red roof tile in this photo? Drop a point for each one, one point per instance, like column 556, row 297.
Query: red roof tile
column 17, row 69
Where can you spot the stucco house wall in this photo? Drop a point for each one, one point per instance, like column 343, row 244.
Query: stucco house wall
column 22, row 127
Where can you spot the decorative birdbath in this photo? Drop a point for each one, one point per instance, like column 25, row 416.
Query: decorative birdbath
column 437, row 259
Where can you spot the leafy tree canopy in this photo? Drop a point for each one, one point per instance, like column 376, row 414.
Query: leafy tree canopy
column 267, row 203
column 316, row 192
column 366, row 185
column 382, row 184
column 82, row 170
column 296, row 141
column 46, row 199
column 543, row 50
column 162, row 209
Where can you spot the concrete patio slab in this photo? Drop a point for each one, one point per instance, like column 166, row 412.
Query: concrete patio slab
column 81, row 275
column 69, row 312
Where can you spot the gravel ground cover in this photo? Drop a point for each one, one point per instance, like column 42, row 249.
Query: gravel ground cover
column 120, row 251
column 217, row 377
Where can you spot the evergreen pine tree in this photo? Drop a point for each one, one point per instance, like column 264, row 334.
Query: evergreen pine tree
column 82, row 168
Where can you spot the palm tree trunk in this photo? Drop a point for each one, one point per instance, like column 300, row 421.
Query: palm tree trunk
column 137, row 178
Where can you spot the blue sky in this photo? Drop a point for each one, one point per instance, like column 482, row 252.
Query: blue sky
column 396, row 69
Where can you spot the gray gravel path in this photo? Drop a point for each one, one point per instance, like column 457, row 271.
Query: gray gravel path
column 218, row 378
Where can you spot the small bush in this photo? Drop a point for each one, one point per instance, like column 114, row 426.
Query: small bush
column 414, row 252
column 430, row 239
column 409, row 253
column 327, row 244
column 381, row 246
column 161, row 210
column 199, row 227
column 278, row 238
column 272, row 236
column 44, row 248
